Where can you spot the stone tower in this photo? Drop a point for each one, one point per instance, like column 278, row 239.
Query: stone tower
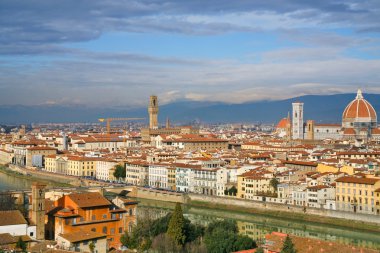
column 297, row 121
column 310, row 129
column 153, row 112
column 38, row 209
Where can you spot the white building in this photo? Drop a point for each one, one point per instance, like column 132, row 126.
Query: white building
column 14, row 223
column 103, row 168
column 158, row 176
column 204, row 181
column 317, row 196
column 184, row 177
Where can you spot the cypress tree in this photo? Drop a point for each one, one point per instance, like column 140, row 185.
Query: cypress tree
column 288, row 246
column 176, row 228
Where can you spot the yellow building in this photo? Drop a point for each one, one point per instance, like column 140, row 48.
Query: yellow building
column 82, row 166
column 171, row 178
column 6, row 156
column 50, row 163
column 357, row 194
column 252, row 184
column 323, row 168
column 377, row 201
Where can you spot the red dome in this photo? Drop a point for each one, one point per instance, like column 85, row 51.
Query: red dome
column 359, row 108
column 283, row 123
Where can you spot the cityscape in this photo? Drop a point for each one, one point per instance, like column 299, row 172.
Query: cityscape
column 192, row 127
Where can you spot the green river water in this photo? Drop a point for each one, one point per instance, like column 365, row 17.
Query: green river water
column 255, row 226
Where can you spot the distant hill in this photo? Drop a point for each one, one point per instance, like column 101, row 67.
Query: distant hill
column 322, row 108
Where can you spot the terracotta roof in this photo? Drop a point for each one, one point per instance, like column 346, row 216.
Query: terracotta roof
column 283, row 123
column 358, row 180
column 302, row 163
column 13, row 217
column 41, row 148
column 89, row 199
column 275, row 241
column 82, row 236
column 7, row 238
column 359, row 108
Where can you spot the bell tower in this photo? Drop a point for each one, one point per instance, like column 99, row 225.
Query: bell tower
column 297, row 121
column 38, row 209
column 153, row 112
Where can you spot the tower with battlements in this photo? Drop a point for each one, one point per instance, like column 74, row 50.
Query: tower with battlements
column 153, row 112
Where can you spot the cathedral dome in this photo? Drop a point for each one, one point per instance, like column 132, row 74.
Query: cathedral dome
column 359, row 113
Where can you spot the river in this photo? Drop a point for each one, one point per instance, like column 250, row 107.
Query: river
column 11, row 182
column 253, row 225
column 256, row 226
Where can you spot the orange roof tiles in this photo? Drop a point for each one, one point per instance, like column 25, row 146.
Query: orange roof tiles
column 89, row 199
column 358, row 180
column 283, row 123
column 359, row 108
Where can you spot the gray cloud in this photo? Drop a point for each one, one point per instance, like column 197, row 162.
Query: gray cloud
column 41, row 21
column 38, row 28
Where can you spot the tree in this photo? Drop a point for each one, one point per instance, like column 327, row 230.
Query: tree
column 259, row 250
column 119, row 172
column 274, row 183
column 21, row 244
column 232, row 191
column 288, row 246
column 176, row 228
column 91, row 246
column 223, row 237
column 243, row 243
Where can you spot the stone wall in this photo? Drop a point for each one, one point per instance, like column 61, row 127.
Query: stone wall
column 284, row 208
column 146, row 193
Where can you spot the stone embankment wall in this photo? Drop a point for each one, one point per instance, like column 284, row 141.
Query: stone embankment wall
column 75, row 181
column 284, row 208
column 146, row 193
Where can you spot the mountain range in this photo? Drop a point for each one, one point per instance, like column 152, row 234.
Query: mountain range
column 321, row 108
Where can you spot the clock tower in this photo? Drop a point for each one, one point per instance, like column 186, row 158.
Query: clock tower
column 38, row 209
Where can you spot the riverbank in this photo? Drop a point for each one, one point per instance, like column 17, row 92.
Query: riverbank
column 49, row 182
column 343, row 223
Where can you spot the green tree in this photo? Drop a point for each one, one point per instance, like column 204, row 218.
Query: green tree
column 91, row 246
column 274, row 183
column 288, row 246
column 232, row 191
column 119, row 172
column 222, row 237
column 244, row 242
column 259, row 250
column 176, row 228
column 21, row 244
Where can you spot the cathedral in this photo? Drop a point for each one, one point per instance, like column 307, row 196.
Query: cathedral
column 359, row 123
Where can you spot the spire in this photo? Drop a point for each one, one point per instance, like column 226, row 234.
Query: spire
column 359, row 94
column 167, row 122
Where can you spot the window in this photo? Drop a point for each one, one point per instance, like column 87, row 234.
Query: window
column 112, row 231
column 31, row 234
column 104, row 216
column 93, row 217
column 93, row 229
column 120, row 230
column 104, row 230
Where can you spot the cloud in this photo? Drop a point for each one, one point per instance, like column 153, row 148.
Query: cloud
column 310, row 57
column 41, row 21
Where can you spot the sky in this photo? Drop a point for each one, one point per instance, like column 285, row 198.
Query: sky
column 118, row 52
